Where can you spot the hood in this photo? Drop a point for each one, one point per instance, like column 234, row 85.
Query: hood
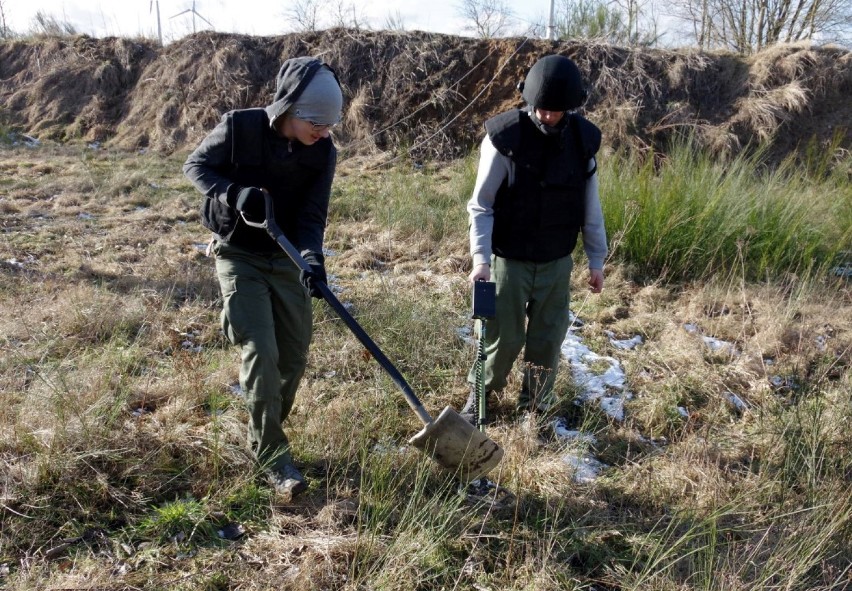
column 293, row 77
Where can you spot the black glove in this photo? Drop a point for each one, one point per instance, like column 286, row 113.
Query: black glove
column 316, row 275
column 252, row 203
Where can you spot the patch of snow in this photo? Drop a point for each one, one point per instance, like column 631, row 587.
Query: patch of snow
column 735, row 401
column 387, row 447
column 613, row 407
column 191, row 347
column 844, row 270
column 28, row 141
column 580, row 357
column 624, row 344
column 336, row 289
column 85, row 216
column 719, row 346
column 565, row 434
column 13, row 262
column 780, row 382
column 654, row 441
column 683, row 412
column 714, row 344
column 443, row 282
column 575, row 321
column 607, row 387
column 231, row 531
column 585, row 468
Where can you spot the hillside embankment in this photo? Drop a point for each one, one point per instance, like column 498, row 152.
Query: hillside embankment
column 427, row 94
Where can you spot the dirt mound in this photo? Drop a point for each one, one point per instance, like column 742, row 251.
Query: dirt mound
column 424, row 93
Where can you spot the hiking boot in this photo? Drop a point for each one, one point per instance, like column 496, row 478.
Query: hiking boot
column 287, row 480
column 470, row 410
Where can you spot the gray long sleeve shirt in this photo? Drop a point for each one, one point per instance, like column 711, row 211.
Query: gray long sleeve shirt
column 494, row 168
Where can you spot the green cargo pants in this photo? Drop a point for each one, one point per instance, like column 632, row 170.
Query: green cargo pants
column 531, row 314
column 268, row 314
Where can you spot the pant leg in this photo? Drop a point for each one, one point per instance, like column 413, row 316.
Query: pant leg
column 548, row 322
column 251, row 319
column 292, row 312
column 505, row 333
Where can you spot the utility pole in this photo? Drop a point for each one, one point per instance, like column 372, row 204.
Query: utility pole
column 159, row 28
column 551, row 29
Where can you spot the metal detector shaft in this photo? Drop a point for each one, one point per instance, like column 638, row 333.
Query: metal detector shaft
column 275, row 232
column 449, row 439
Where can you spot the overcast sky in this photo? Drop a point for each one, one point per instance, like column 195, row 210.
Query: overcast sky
column 129, row 18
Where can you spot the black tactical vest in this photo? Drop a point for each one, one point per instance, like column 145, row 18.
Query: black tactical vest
column 539, row 216
column 259, row 158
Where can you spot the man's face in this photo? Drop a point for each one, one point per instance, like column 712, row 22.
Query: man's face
column 551, row 118
column 303, row 131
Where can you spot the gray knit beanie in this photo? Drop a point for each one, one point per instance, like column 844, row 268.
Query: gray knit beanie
column 321, row 101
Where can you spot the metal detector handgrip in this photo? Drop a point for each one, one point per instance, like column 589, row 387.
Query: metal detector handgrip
column 484, row 306
column 275, row 232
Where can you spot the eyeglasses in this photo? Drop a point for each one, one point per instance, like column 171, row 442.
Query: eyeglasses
column 320, row 126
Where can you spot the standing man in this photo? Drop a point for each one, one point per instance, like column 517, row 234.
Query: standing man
column 283, row 150
column 536, row 190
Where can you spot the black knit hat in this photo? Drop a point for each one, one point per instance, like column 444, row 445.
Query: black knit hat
column 553, row 83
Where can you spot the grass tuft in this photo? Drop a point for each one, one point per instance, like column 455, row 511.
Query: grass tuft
column 123, row 440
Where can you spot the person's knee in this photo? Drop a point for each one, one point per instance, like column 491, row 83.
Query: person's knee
column 261, row 349
column 506, row 348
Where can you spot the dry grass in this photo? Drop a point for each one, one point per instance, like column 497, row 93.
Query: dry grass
column 420, row 94
column 122, row 443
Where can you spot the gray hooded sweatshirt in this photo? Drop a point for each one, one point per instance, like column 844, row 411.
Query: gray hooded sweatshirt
column 244, row 150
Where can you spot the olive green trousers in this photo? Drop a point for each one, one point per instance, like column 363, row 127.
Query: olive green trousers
column 531, row 314
column 268, row 314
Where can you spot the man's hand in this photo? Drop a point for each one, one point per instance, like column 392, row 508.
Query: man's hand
column 596, row 280
column 251, row 202
column 481, row 272
column 309, row 279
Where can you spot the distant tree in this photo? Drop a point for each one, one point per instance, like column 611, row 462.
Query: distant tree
column 49, row 25
column 304, row 14
column 639, row 22
column 4, row 29
column 486, row 18
column 747, row 26
column 345, row 14
column 621, row 23
column 394, row 22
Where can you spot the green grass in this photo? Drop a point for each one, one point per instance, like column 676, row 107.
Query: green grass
column 123, row 447
column 691, row 217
